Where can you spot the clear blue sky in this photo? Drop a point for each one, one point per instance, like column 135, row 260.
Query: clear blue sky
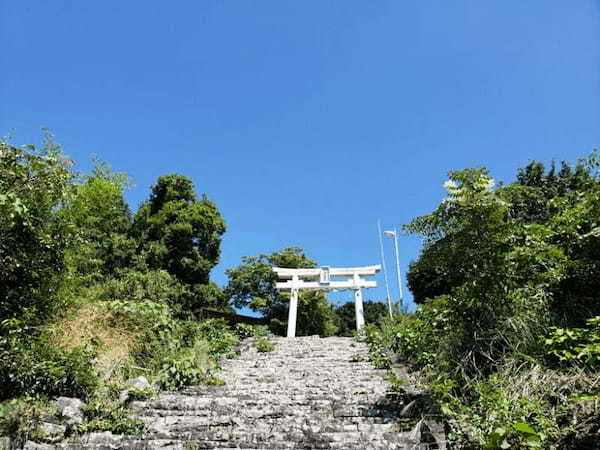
column 305, row 121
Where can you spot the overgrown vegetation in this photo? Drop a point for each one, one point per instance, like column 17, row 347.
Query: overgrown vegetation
column 91, row 295
column 506, row 332
column 506, row 336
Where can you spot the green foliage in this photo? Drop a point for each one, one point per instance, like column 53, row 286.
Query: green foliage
column 506, row 281
column 396, row 384
column 103, row 413
column 264, row 346
column 182, row 235
column 156, row 285
column 20, row 418
column 179, row 352
column 213, row 381
column 33, row 184
column 219, row 336
column 30, row 365
column 576, row 345
column 180, row 370
column 252, row 284
column 99, row 214
column 346, row 315
column 136, row 394
column 423, row 338
column 243, row 331
column 378, row 346
column 67, row 238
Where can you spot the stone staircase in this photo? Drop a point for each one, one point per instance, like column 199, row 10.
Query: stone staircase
column 310, row 393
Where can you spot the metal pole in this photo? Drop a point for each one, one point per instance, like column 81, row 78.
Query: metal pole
column 398, row 270
column 387, row 285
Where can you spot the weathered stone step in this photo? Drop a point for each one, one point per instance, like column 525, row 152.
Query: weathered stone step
column 309, row 393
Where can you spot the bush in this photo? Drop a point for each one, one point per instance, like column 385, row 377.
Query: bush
column 264, row 345
column 377, row 346
column 180, row 370
column 178, row 352
column 103, row 413
column 31, row 365
column 243, row 331
column 567, row 346
column 20, row 417
column 219, row 336
column 155, row 285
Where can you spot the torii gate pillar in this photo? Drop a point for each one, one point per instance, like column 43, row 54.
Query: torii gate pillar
column 293, row 312
column 358, row 306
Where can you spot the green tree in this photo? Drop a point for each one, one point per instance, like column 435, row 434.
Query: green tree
column 33, row 184
column 346, row 315
column 102, row 220
column 182, row 235
column 512, row 261
column 252, row 284
column 474, row 237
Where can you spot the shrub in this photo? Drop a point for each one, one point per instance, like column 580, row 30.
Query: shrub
column 377, row 346
column 219, row 336
column 136, row 394
column 153, row 285
column 20, row 417
column 117, row 336
column 264, row 345
column 214, row 381
column 243, row 331
column 102, row 413
column 30, row 365
column 180, row 370
column 179, row 352
column 580, row 346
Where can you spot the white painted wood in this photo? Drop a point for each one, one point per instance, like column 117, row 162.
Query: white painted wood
column 293, row 313
column 358, row 306
column 320, row 279
column 285, row 273
column 325, row 277
column 333, row 285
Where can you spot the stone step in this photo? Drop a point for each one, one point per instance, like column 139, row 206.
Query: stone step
column 309, row 393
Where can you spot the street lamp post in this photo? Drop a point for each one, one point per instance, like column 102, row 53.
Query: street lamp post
column 387, row 286
column 394, row 233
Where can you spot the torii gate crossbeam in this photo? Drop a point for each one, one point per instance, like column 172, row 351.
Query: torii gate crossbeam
column 319, row 279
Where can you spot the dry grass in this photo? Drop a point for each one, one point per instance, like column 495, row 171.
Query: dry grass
column 117, row 337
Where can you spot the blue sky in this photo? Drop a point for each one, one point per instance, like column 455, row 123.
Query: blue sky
column 305, row 121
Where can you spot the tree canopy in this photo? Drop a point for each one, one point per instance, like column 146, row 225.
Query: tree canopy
column 252, row 284
column 181, row 234
column 33, row 184
column 521, row 257
column 346, row 315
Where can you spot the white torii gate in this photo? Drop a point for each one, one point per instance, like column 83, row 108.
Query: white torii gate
column 319, row 279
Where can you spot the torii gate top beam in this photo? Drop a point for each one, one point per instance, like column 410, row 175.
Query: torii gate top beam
column 286, row 273
column 319, row 279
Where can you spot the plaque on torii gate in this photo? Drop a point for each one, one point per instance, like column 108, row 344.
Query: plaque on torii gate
column 320, row 279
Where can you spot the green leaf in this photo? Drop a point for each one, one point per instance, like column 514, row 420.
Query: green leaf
column 524, row 428
column 587, row 397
